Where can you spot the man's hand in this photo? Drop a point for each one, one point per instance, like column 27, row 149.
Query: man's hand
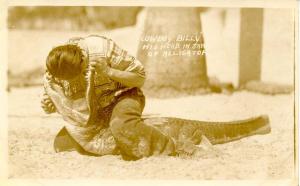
column 100, row 65
column 47, row 104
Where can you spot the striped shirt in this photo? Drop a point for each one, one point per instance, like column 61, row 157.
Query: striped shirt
column 96, row 47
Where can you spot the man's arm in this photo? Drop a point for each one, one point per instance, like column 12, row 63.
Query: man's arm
column 125, row 68
column 129, row 79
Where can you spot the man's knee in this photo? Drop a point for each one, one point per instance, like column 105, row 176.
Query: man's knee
column 128, row 106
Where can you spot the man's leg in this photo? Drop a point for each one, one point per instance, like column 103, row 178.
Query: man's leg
column 134, row 138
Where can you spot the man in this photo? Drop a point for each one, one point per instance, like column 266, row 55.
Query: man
column 114, row 123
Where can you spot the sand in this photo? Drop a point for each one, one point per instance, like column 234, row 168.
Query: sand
column 271, row 156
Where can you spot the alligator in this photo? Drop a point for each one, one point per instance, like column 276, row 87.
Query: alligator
column 187, row 134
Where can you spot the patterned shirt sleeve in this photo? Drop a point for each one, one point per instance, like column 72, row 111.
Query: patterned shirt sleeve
column 121, row 60
column 46, row 102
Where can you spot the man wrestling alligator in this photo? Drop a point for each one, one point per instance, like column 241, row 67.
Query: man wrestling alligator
column 95, row 86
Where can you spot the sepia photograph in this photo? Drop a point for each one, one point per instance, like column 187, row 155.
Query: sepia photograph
column 143, row 92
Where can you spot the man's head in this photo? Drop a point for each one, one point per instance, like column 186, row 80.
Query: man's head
column 65, row 62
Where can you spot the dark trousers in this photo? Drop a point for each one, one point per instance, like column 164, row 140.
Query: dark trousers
column 134, row 138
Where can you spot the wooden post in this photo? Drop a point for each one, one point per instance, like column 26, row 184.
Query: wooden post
column 251, row 32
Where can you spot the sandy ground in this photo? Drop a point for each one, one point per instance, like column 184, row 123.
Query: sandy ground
column 31, row 134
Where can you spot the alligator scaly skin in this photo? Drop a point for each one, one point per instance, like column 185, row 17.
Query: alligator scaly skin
column 216, row 132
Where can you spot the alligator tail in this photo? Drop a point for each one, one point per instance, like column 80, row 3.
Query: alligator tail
column 223, row 132
column 216, row 132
